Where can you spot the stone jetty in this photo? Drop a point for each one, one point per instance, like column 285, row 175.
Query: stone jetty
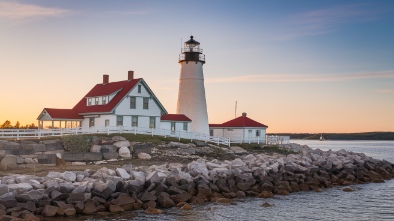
column 155, row 188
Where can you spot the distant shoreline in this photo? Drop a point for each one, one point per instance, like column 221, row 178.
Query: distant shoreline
column 339, row 136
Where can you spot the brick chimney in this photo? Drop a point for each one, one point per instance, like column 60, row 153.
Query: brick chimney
column 130, row 75
column 105, row 79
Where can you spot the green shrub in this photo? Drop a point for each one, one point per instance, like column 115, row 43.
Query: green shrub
column 77, row 143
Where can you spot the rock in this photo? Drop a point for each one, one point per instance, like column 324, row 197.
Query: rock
column 110, row 156
column 124, row 152
column 240, row 194
column 95, row 149
column 68, row 176
column 165, row 201
column 151, row 204
column 266, row 204
column 147, row 196
column 182, row 197
column 186, row 207
column 347, row 189
column 123, row 199
column 31, row 217
column 99, row 185
column 8, row 162
column 118, row 138
column 143, row 148
column 8, row 200
column 266, row 194
column 153, row 211
column 155, row 177
column 49, row 210
column 144, row 156
column 123, row 173
column 89, row 208
column 69, row 211
column 198, row 167
column 124, row 143
column 115, row 209
column 3, row 189
column 238, row 150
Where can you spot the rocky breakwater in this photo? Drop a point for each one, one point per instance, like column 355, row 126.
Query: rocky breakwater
column 106, row 191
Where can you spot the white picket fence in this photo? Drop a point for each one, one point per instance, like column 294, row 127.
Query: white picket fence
column 35, row 133
column 271, row 140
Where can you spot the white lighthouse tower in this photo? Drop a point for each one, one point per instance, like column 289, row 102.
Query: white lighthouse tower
column 191, row 94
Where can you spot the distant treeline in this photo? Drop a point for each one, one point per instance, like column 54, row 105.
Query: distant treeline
column 340, row 136
column 8, row 125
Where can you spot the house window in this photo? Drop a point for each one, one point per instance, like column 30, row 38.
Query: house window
column 172, row 126
column 146, row 103
column 106, row 123
column 211, row 133
column 257, row 133
column 96, row 101
column 119, row 120
column 134, row 121
column 132, row 102
column 185, row 126
column 152, row 122
column 89, row 101
column 104, row 100
column 139, row 89
column 250, row 131
column 91, row 121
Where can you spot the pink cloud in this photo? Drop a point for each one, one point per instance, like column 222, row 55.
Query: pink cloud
column 18, row 11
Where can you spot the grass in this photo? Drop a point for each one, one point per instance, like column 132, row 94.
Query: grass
column 266, row 148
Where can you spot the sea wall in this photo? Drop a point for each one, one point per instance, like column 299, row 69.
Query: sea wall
column 182, row 185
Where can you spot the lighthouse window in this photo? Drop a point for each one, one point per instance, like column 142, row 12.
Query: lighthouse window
column 146, row 103
column 132, row 103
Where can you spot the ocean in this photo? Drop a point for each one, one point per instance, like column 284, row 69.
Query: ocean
column 374, row 201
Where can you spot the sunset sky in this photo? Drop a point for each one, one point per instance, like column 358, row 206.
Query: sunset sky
column 296, row 66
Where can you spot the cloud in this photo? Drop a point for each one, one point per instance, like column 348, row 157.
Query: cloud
column 128, row 12
column 302, row 77
column 385, row 91
column 18, row 11
column 328, row 20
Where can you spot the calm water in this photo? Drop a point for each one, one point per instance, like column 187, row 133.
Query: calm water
column 369, row 202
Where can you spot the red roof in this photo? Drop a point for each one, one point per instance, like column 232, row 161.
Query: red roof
column 175, row 117
column 241, row 121
column 62, row 113
column 106, row 89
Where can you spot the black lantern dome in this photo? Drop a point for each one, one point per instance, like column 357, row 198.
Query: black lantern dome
column 192, row 51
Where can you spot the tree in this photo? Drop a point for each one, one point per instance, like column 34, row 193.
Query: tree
column 17, row 125
column 6, row 124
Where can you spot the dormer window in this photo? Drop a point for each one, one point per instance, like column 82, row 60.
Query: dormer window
column 96, row 101
column 89, row 101
column 104, row 100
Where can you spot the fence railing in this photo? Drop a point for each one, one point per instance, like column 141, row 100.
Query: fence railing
column 271, row 140
column 35, row 133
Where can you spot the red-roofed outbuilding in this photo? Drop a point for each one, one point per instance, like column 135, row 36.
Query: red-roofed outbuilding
column 240, row 130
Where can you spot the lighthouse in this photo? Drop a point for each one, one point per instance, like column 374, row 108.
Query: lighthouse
column 191, row 93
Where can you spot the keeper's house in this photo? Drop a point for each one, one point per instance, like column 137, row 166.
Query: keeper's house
column 129, row 103
column 240, row 130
